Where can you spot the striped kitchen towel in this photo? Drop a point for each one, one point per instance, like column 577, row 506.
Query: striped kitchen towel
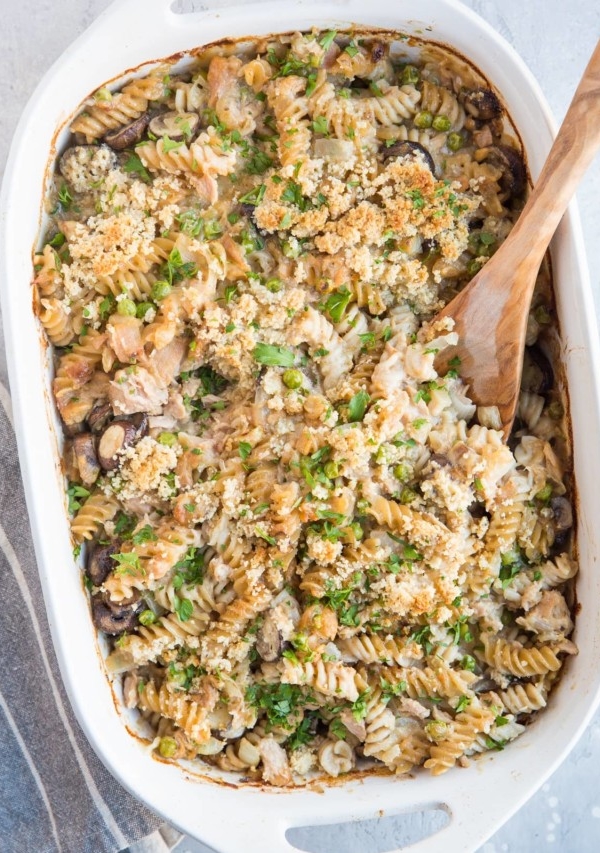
column 55, row 794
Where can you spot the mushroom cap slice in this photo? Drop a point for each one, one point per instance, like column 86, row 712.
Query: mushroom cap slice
column 84, row 446
column 562, row 514
column 114, row 617
column 404, row 148
column 141, row 423
column 514, row 171
column 116, row 437
column 482, row 104
column 128, row 135
column 269, row 642
column 177, row 126
column 100, row 563
column 99, row 417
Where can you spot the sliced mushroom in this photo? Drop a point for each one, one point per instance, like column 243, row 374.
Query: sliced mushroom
column 510, row 161
column 177, row 126
column 482, row 104
column 114, row 617
column 100, row 563
column 71, row 430
column 115, row 438
column 129, row 135
column 440, row 460
column 99, row 417
column 562, row 514
column 408, row 149
column 269, row 642
column 537, row 373
column 140, row 421
column 429, row 245
column 84, row 447
column 378, row 51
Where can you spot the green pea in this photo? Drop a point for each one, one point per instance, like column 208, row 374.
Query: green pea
column 423, row 119
column 167, row 438
column 410, row 74
column 544, row 494
column 407, row 495
column 454, row 141
column 357, row 530
column 126, row 308
column 167, row 747
column 362, row 505
column 147, row 617
column 441, row 122
column 332, row 470
column 143, row 309
column 473, row 266
column 401, row 472
column 274, row 285
column 436, row 730
column 292, row 378
column 160, row 289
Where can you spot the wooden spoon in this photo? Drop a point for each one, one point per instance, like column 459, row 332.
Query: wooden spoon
column 490, row 314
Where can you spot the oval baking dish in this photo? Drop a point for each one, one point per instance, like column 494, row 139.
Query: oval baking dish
column 128, row 34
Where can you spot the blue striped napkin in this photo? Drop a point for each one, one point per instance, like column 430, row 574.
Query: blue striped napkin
column 55, row 794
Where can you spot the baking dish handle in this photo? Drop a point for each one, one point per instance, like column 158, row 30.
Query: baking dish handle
column 155, row 13
column 470, row 824
column 127, row 14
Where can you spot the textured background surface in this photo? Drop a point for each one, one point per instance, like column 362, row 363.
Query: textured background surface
column 555, row 39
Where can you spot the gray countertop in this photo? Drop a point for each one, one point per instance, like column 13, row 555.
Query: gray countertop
column 556, row 39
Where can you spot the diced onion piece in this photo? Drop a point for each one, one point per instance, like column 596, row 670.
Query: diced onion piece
column 489, row 416
column 339, row 150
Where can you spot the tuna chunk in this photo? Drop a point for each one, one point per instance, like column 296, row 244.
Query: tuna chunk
column 550, row 619
column 133, row 390
column 276, row 769
column 124, row 337
column 165, row 363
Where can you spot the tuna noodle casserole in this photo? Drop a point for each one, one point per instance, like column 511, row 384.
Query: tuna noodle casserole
column 310, row 549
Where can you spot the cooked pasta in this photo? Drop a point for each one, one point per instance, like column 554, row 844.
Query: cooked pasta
column 311, row 549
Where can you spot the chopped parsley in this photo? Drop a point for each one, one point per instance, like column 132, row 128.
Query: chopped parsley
column 336, row 304
column 255, row 196
column 145, row 534
column 134, row 165
column 183, row 608
column 244, row 450
column 357, row 406
column 127, row 564
column 175, row 269
column 278, row 701
column 463, row 702
column 74, row 493
column 272, row 355
column 190, row 569
column 422, row 636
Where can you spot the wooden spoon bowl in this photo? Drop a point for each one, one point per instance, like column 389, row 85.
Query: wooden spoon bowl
column 490, row 314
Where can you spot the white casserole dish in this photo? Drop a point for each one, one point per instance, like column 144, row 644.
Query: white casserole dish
column 231, row 819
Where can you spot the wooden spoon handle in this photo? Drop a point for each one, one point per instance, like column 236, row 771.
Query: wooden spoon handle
column 573, row 150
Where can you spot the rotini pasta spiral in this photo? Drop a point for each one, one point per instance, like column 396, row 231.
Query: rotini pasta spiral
column 108, row 113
